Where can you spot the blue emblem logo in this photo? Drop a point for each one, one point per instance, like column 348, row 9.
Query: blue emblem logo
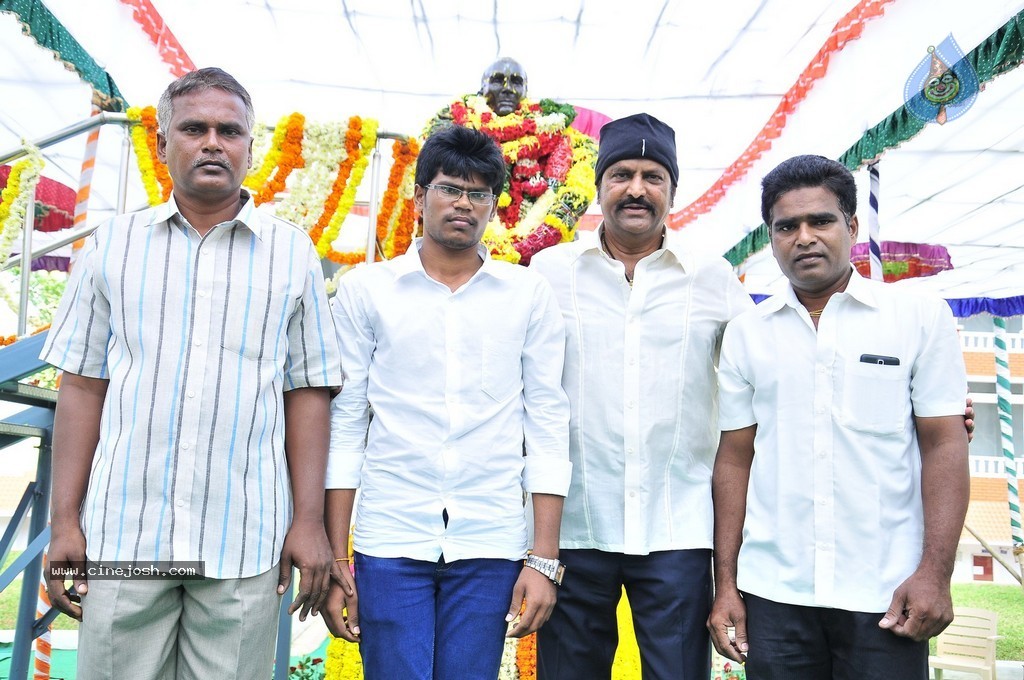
column 943, row 86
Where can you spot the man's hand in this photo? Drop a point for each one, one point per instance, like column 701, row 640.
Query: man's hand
column 67, row 545
column 969, row 420
column 540, row 595
column 307, row 548
column 921, row 607
column 729, row 612
column 341, row 610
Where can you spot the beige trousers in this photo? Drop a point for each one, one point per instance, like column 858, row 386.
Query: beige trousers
column 171, row 629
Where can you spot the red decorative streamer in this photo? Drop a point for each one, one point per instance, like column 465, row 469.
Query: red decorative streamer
column 167, row 45
column 849, row 28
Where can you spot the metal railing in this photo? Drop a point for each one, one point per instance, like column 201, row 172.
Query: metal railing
column 70, row 131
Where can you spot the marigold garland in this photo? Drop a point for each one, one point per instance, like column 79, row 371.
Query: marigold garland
column 323, row 149
column 283, row 156
column 333, row 158
column 549, row 166
column 14, row 199
column 395, row 218
column 155, row 178
column 358, row 158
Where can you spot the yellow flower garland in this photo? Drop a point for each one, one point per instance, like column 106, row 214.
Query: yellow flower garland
column 348, row 197
column 145, row 159
column 21, row 183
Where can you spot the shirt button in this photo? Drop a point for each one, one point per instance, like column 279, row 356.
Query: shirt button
column 821, row 369
column 822, row 501
column 184, row 446
column 202, row 293
column 632, row 361
column 180, row 503
column 632, row 494
column 190, row 394
column 631, row 403
column 629, row 450
column 197, row 342
column 821, row 454
column 820, row 409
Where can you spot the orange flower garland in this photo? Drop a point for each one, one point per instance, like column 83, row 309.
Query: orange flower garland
column 359, row 141
column 288, row 156
column 395, row 218
column 155, row 178
column 323, row 246
column 163, row 177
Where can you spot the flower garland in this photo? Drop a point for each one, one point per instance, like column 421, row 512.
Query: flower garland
column 14, row 199
column 551, row 172
column 323, row 148
column 359, row 140
column 283, row 156
column 395, row 219
column 155, row 177
column 333, row 158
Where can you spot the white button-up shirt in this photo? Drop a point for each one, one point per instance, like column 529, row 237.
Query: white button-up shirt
column 456, row 381
column 199, row 338
column 834, row 514
column 639, row 372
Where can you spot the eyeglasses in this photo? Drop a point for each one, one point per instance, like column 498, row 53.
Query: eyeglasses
column 454, row 193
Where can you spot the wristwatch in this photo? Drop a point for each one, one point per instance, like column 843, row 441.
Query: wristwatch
column 548, row 566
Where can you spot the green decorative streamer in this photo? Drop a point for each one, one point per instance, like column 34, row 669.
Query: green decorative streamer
column 40, row 24
column 751, row 243
column 1003, row 392
column 1000, row 53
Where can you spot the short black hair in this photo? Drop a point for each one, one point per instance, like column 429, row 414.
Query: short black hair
column 801, row 172
column 460, row 152
column 211, row 78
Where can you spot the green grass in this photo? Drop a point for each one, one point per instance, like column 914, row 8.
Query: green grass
column 9, row 604
column 1008, row 603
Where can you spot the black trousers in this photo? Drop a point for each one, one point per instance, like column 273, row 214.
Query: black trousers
column 669, row 594
column 791, row 642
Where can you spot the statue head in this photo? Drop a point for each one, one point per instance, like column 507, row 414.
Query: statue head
column 503, row 85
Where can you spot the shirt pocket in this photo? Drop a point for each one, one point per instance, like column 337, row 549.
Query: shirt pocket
column 875, row 398
column 253, row 321
column 502, row 368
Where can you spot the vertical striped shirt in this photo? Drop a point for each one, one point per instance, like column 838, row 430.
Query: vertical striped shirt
column 199, row 339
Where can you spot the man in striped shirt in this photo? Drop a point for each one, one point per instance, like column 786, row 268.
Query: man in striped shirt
column 198, row 352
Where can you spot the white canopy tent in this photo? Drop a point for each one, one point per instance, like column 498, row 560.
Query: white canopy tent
column 715, row 71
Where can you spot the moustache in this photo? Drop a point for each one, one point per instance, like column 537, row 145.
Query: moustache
column 637, row 203
column 221, row 162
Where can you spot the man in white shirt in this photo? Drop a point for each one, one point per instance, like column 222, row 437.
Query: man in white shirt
column 644, row 319
column 460, row 357
column 841, row 480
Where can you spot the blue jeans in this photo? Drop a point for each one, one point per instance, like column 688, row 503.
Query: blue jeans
column 433, row 620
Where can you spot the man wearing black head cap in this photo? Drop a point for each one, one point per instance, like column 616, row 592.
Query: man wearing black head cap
column 644, row 320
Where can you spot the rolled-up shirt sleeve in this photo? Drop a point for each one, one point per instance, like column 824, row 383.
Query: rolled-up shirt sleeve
column 80, row 332
column 350, row 410
column 546, row 423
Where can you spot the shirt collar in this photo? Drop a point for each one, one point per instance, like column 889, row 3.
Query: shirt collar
column 858, row 288
column 671, row 243
column 411, row 262
column 247, row 216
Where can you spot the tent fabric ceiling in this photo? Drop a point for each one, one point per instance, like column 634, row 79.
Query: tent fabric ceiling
column 714, row 71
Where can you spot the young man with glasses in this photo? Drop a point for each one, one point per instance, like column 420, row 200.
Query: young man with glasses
column 460, row 359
